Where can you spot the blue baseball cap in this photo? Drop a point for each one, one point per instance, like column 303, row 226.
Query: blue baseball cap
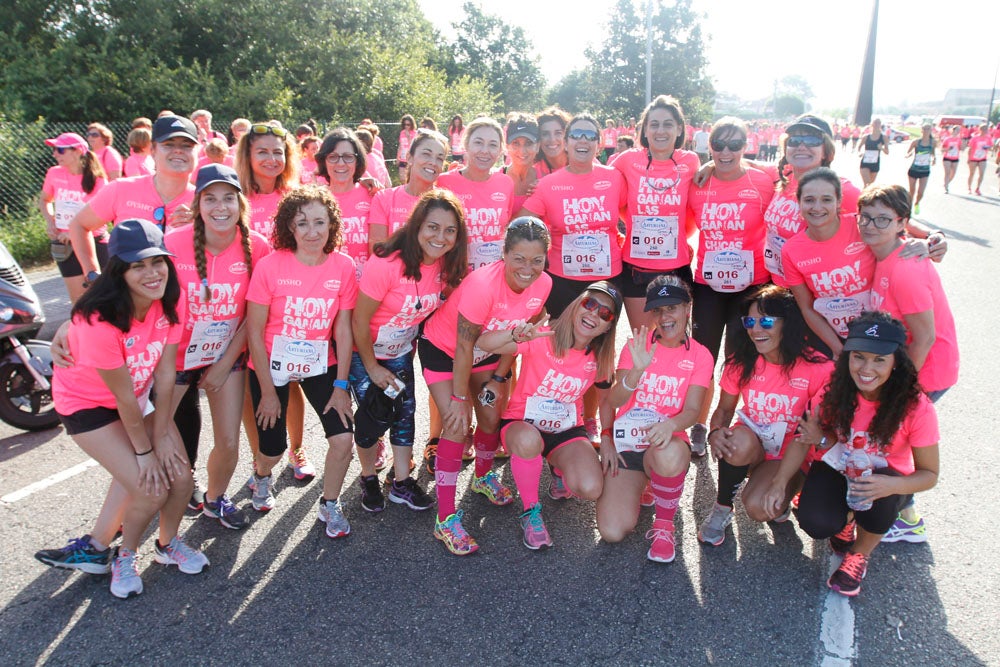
column 216, row 173
column 136, row 240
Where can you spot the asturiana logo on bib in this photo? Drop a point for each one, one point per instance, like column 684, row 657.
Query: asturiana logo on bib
column 301, row 349
column 842, row 305
column 587, row 243
column 728, row 257
column 657, row 226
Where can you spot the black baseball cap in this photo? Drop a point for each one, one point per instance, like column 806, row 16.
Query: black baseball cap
column 611, row 290
column 216, row 173
column 520, row 128
column 169, row 127
column 136, row 240
column 881, row 337
column 811, row 122
column 665, row 295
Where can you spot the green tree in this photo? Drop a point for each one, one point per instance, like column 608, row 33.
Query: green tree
column 788, row 105
column 796, row 86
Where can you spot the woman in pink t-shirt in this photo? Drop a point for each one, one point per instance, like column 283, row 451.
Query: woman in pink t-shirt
column 543, row 417
column 456, row 138
column 341, row 161
column 774, row 373
column 663, row 377
column 552, row 124
column 123, row 338
column 873, row 404
column 979, row 151
column 299, row 309
column 76, row 178
column 391, row 208
column 405, row 280
column 463, row 378
column 951, row 150
column 140, row 160
column 407, row 133
column 307, row 162
column 215, row 258
column 521, row 134
column 100, row 139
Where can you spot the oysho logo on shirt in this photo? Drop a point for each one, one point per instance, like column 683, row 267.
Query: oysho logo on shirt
column 811, row 261
column 289, row 282
column 185, row 267
column 562, row 188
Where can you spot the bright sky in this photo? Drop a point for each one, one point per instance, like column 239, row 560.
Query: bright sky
column 925, row 47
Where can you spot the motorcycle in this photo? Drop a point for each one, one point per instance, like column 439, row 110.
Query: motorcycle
column 25, row 363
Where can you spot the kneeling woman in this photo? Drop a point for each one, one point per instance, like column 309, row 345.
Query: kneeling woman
column 300, row 299
column 874, row 403
column 123, row 338
column 663, row 376
column 775, row 374
column 544, row 415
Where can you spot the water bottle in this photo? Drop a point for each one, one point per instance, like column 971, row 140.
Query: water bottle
column 859, row 465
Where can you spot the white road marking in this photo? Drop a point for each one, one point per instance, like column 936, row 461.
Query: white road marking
column 60, row 476
column 836, row 632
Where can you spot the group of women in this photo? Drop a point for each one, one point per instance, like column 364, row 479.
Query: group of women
column 509, row 285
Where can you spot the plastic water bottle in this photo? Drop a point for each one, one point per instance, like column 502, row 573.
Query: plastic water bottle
column 859, row 465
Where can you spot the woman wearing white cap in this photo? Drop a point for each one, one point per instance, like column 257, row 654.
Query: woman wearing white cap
column 69, row 185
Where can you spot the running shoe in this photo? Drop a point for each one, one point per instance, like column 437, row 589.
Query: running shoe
column 558, row 489
column 846, row 579
column 382, row 459
column 226, row 512
column 490, row 486
column 699, row 440
column 978, row 193
column 713, row 529
column 451, row 532
column 372, row 498
column 303, row 469
column 78, row 554
column 263, row 499
column 536, row 536
column 844, row 540
column 430, row 455
column 647, row 499
column 662, row 549
column 784, row 516
column 187, row 559
column 332, row 514
column 125, row 581
column 904, row 531
column 197, row 501
column 916, row 209
column 409, row 493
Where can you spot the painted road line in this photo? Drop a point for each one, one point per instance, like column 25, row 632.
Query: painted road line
column 836, row 632
column 23, row 493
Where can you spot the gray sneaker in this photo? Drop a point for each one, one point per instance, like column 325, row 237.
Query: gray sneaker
column 125, row 581
column 713, row 529
column 699, row 440
column 187, row 559
column 332, row 514
column 263, row 499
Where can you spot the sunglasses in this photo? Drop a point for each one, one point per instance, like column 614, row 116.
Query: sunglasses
column 593, row 305
column 261, row 129
column 527, row 221
column 581, row 134
column 880, row 221
column 733, row 145
column 62, row 149
column 810, row 140
column 346, row 158
column 93, row 134
column 766, row 321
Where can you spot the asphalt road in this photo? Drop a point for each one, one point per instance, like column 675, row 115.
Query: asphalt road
column 389, row 593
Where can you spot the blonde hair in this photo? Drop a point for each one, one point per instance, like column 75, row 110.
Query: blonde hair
column 602, row 347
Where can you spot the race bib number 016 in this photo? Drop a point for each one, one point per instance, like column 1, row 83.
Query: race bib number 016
column 293, row 359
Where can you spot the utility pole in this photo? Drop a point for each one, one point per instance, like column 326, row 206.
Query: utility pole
column 863, row 109
column 649, row 51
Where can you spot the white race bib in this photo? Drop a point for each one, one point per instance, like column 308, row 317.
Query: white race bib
column 922, row 160
column 840, row 310
column 587, row 254
column 65, row 211
column 772, row 253
column 209, row 340
column 953, row 152
column 293, row 359
column 654, row 237
column 728, row 270
column 394, row 342
column 482, row 253
column 980, row 153
column 549, row 415
column 630, row 429
column 772, row 436
column 870, row 157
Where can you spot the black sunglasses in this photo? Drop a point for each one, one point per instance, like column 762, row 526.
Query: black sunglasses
column 603, row 312
column 734, row 145
column 586, row 135
column 810, row 140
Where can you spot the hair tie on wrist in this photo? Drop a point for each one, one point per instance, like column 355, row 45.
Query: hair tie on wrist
column 144, row 453
column 625, row 384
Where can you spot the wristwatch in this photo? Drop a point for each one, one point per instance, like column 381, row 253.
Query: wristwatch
column 91, row 277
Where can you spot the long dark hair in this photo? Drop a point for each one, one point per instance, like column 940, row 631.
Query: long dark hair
column 897, row 397
column 93, row 171
column 405, row 240
column 797, row 339
column 110, row 299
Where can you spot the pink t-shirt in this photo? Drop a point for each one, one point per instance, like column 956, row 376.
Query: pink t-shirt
column 303, row 301
column 919, row 429
column 485, row 298
column 782, row 221
column 581, row 212
column 307, row 171
column 110, row 159
column 403, row 303
column 262, row 210
column 609, row 136
column 979, row 147
column 455, row 139
column 487, row 205
column 772, row 401
column 730, row 218
column 951, row 147
column 100, row 345
column 838, row 272
column 549, row 391
column 65, row 190
column 355, row 205
column 377, row 170
column 136, row 197
column 214, row 323
column 139, row 165
column 656, row 224
column 908, row 286
column 662, row 390
column 391, row 207
column 405, row 139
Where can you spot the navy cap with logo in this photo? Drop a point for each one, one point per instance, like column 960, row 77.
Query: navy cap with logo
column 169, row 127
column 881, row 337
column 665, row 295
column 216, row 173
column 136, row 240
column 811, row 122
column 611, row 290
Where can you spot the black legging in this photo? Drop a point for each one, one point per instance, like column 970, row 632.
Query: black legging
column 823, row 504
column 187, row 418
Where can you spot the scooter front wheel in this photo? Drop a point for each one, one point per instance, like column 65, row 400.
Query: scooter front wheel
column 22, row 403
